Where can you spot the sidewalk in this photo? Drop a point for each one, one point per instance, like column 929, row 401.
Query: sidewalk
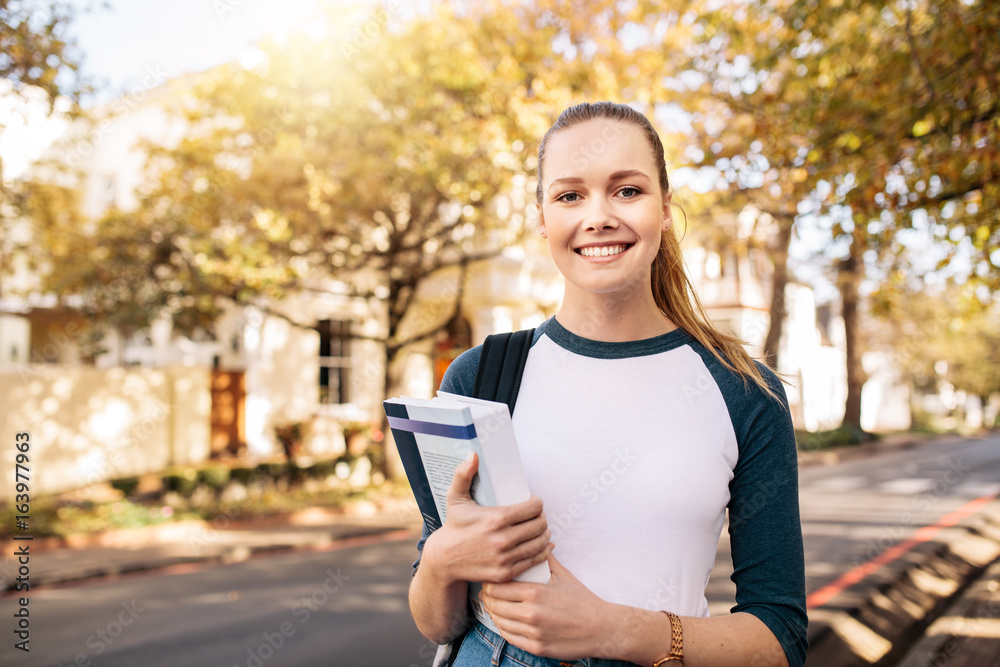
column 188, row 542
column 948, row 582
column 967, row 634
column 891, row 442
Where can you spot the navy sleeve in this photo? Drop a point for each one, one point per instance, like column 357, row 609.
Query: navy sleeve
column 764, row 525
column 461, row 374
column 458, row 379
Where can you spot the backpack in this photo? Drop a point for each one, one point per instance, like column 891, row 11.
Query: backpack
column 498, row 378
column 501, row 365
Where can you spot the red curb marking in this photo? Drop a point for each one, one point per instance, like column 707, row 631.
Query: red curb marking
column 851, row 577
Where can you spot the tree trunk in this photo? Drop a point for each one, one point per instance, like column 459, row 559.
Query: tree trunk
column 779, row 253
column 390, row 465
column 848, row 282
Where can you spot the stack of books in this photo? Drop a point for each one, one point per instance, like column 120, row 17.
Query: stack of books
column 434, row 436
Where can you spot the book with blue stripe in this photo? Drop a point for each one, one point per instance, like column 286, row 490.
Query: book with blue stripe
column 434, row 436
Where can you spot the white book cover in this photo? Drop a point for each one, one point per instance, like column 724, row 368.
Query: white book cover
column 445, row 430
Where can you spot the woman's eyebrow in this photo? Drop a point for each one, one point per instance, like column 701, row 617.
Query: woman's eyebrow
column 576, row 180
column 616, row 176
column 628, row 173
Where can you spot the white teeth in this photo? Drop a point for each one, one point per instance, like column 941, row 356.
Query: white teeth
column 602, row 251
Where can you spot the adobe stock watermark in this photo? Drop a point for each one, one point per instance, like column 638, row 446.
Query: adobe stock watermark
column 302, row 610
column 46, row 355
column 102, row 638
column 361, row 38
column 591, row 491
column 951, row 473
column 428, row 651
column 365, row 36
column 201, row 540
column 114, row 460
column 224, row 7
column 961, row 631
column 153, row 78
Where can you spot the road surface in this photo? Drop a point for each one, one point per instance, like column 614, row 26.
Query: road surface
column 347, row 607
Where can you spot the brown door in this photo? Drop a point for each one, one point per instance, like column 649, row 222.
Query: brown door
column 228, row 428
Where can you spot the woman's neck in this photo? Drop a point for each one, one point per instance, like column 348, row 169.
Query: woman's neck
column 613, row 317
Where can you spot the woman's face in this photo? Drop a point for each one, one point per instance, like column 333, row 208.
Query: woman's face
column 602, row 209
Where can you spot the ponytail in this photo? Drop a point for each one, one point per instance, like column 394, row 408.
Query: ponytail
column 672, row 289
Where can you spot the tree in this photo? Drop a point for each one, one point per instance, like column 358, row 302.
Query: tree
column 35, row 51
column 37, row 59
column 327, row 169
column 941, row 336
column 877, row 116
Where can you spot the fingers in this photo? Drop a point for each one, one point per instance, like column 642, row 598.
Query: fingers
column 536, row 557
column 529, row 530
column 462, row 481
column 502, row 608
column 524, row 511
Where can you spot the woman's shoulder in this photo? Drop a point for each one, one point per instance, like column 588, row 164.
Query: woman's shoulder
column 461, row 374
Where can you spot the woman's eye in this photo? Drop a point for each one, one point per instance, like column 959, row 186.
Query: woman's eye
column 629, row 192
column 568, row 197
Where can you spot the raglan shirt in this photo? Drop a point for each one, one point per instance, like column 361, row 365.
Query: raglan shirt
column 637, row 449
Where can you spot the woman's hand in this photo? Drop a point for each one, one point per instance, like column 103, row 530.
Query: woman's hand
column 489, row 544
column 560, row 619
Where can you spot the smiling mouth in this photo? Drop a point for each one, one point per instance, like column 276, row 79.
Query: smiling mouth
column 603, row 251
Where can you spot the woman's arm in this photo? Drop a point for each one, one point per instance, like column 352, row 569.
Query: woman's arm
column 489, row 544
column 735, row 640
column 565, row 620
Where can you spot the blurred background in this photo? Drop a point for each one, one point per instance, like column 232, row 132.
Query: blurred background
column 230, row 228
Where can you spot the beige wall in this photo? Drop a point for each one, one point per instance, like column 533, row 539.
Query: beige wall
column 89, row 425
column 282, row 381
column 15, row 339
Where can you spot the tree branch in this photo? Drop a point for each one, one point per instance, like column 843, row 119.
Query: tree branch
column 916, row 55
column 393, row 348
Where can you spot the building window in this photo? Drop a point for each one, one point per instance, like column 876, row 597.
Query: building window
column 334, row 361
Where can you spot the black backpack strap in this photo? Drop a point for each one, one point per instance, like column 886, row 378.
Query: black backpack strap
column 501, row 364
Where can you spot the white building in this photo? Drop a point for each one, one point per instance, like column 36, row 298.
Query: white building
column 259, row 371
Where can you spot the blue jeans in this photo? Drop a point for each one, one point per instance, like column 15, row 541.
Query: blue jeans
column 481, row 647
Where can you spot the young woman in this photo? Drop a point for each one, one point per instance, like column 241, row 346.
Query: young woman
column 639, row 425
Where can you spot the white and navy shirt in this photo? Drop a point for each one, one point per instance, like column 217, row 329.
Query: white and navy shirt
column 637, row 449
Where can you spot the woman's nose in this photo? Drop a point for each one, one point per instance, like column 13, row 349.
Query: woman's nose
column 599, row 215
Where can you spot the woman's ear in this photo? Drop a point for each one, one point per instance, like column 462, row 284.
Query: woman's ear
column 541, row 221
column 668, row 218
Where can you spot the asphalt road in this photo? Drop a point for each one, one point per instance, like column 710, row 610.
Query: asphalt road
column 347, row 607
column 854, row 511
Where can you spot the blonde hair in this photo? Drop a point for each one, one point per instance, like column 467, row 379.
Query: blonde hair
column 672, row 289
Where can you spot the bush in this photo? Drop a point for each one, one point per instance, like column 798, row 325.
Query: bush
column 322, row 469
column 214, row 477
column 270, row 471
column 242, row 475
column 127, row 485
column 182, row 480
column 838, row 437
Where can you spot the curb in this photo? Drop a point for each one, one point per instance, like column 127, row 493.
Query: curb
column 844, row 453
column 874, row 621
column 957, row 637
column 211, row 554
